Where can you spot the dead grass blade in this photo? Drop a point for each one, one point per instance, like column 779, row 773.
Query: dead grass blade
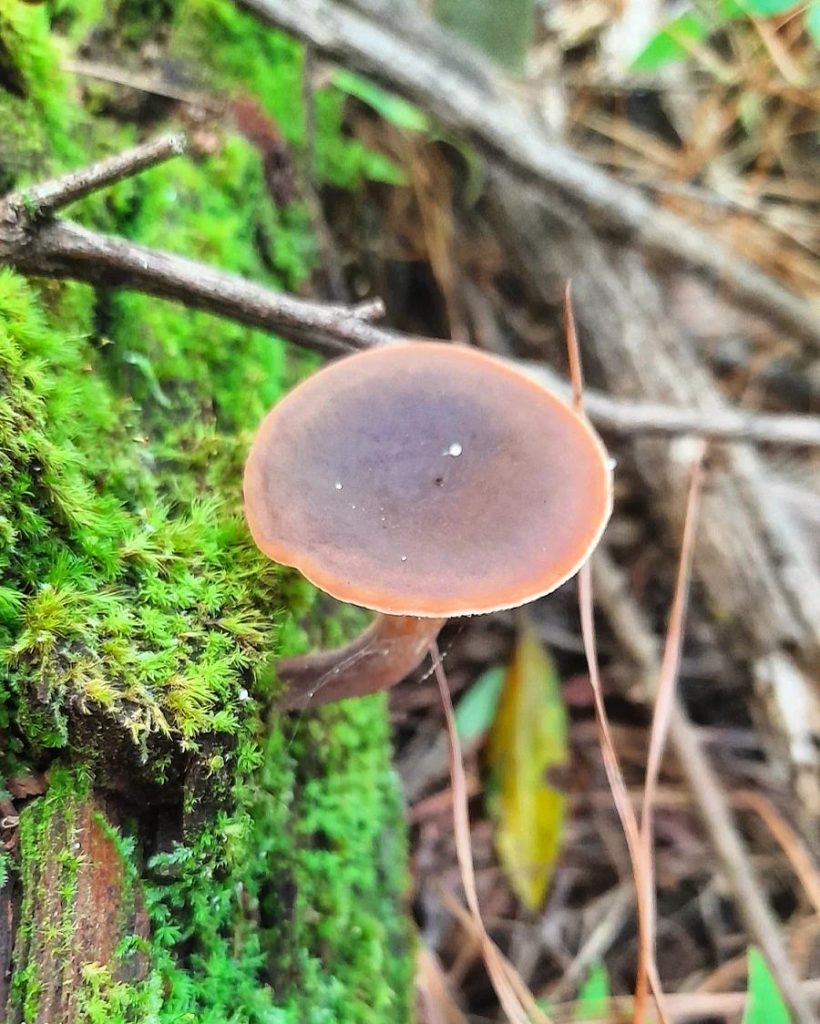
column 623, row 805
column 516, row 1000
column 796, row 851
column 576, row 373
column 437, row 1002
column 647, row 971
column 665, row 699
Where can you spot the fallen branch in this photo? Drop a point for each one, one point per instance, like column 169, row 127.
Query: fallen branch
column 626, row 418
column 395, row 43
column 34, row 243
column 62, row 249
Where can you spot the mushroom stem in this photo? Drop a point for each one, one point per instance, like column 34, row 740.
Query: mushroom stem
column 381, row 656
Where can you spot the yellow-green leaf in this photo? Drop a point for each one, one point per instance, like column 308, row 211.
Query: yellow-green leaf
column 527, row 754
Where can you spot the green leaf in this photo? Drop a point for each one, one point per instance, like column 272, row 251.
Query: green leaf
column 764, row 1003
column 672, row 42
column 503, row 29
column 812, row 21
column 768, row 8
column 392, row 108
column 731, row 10
column 527, row 748
column 593, row 996
column 379, row 167
column 476, row 709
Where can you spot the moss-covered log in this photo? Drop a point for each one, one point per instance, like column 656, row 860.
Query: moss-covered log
column 191, row 857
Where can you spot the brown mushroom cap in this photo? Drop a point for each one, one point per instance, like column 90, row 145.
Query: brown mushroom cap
column 427, row 479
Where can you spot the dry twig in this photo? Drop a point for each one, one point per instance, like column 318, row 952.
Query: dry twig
column 629, row 418
column 44, row 200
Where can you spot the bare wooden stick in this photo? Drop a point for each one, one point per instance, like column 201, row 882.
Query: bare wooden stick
column 627, row 418
column 62, row 249
column 395, row 43
column 47, row 198
column 36, row 245
column 637, row 640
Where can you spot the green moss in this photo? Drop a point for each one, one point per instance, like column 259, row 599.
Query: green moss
column 39, row 124
column 132, row 588
column 298, row 921
column 103, row 1000
column 252, row 60
column 135, row 613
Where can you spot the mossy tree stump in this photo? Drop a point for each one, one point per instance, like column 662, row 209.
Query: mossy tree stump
column 169, row 850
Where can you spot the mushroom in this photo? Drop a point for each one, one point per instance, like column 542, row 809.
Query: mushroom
column 423, row 481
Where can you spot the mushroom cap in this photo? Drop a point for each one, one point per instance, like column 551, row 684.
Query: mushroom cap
column 427, row 479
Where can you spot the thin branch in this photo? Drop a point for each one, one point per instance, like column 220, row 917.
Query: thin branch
column 46, row 199
column 63, row 249
column 396, row 44
column 627, row 418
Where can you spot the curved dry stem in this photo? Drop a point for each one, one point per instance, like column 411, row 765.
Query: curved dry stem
column 381, row 656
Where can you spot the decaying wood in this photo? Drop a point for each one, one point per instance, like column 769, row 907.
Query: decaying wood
column 98, row 910
column 392, row 41
column 756, row 566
